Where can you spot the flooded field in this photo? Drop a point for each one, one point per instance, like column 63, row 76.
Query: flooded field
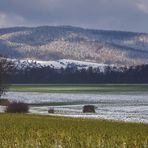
column 131, row 107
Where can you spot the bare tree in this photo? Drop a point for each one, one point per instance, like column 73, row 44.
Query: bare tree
column 6, row 70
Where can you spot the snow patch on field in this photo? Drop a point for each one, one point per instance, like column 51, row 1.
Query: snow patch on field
column 2, row 109
column 132, row 107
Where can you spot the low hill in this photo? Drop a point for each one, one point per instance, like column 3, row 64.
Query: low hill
column 65, row 42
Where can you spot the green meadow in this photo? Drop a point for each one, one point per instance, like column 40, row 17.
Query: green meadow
column 91, row 88
column 33, row 131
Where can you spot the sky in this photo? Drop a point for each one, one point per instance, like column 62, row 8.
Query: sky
column 125, row 15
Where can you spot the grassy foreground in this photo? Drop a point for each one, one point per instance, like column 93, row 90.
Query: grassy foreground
column 79, row 88
column 30, row 131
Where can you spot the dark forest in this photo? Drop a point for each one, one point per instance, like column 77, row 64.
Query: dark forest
column 45, row 75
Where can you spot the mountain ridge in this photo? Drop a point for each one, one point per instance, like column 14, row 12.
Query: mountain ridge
column 76, row 43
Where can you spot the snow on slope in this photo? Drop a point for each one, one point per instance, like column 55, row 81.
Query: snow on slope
column 57, row 64
column 63, row 63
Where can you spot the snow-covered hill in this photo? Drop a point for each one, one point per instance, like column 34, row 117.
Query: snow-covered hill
column 53, row 43
column 58, row 64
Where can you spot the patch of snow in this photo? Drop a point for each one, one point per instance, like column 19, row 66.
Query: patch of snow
column 131, row 107
column 2, row 109
column 58, row 64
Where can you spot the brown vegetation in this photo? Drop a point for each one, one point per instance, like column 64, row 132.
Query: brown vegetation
column 88, row 109
column 17, row 107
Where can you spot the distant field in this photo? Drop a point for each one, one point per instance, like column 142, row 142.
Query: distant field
column 20, row 130
column 79, row 88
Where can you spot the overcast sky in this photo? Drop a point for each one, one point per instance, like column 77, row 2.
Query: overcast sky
column 128, row 15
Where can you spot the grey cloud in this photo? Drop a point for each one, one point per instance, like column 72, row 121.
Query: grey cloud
column 131, row 15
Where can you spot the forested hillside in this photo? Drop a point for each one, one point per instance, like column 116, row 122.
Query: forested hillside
column 65, row 42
